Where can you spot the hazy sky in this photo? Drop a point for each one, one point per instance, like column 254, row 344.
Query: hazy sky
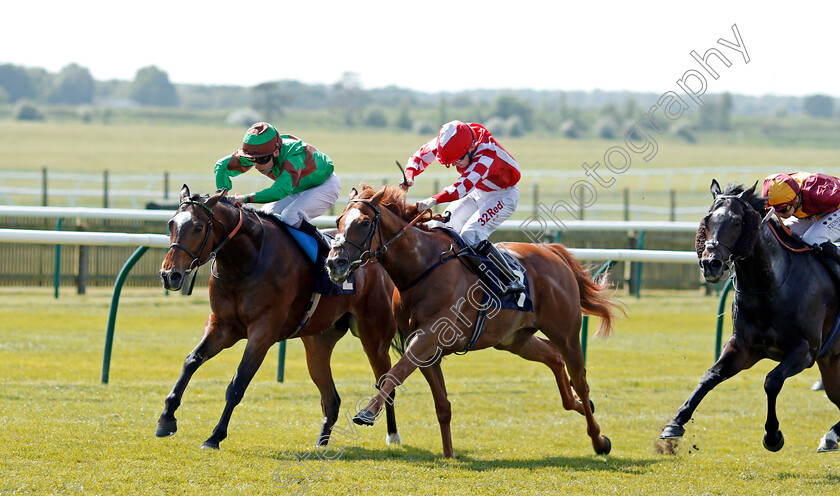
column 433, row 45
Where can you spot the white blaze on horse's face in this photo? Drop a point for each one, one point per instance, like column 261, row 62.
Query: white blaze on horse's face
column 352, row 216
column 180, row 219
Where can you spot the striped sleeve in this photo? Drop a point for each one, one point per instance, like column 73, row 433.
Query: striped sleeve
column 421, row 159
column 478, row 170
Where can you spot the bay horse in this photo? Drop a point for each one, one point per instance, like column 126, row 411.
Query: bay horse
column 260, row 290
column 431, row 305
column 785, row 307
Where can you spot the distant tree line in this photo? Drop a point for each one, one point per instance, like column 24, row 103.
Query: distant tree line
column 506, row 112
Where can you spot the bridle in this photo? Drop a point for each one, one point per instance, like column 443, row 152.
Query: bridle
column 713, row 244
column 208, row 228
column 365, row 254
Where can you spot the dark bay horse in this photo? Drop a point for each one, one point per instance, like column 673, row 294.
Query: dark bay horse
column 433, row 311
column 260, row 290
column 785, row 307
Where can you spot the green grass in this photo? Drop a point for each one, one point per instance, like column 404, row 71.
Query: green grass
column 147, row 151
column 144, row 148
column 62, row 432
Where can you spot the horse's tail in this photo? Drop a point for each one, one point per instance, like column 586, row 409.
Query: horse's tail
column 595, row 296
column 398, row 343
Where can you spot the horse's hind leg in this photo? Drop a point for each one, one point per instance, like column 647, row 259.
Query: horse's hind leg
column 830, row 372
column 215, row 339
column 797, row 360
column 319, row 348
column 570, row 348
column 536, row 349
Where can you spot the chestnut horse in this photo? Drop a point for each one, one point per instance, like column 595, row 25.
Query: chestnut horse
column 260, row 290
column 785, row 307
column 431, row 306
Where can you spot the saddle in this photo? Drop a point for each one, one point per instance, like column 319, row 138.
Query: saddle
column 490, row 274
column 315, row 245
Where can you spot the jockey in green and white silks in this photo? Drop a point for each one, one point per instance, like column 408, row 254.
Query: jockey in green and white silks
column 305, row 185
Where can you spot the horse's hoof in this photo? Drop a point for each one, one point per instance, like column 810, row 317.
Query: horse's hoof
column 607, row 447
column 818, row 386
column 672, row 431
column 827, row 445
column 166, row 428
column 773, row 445
column 393, row 439
column 364, row 417
column 210, row 445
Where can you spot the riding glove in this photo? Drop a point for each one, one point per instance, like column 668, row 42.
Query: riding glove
column 426, row 204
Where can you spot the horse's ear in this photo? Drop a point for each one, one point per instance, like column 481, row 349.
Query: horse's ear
column 213, row 200
column 378, row 196
column 715, row 188
column 748, row 193
column 185, row 193
column 353, row 194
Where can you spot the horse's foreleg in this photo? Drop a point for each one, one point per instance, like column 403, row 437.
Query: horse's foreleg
column 215, row 339
column 443, row 409
column 376, row 337
column 541, row 350
column 319, row 348
column 421, row 351
column 732, row 360
column 830, row 373
column 797, row 360
column 252, row 358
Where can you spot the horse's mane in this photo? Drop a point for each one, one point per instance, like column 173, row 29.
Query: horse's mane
column 757, row 202
column 752, row 218
column 393, row 199
column 202, row 198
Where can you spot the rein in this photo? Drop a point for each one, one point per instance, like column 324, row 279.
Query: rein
column 365, row 254
column 781, row 242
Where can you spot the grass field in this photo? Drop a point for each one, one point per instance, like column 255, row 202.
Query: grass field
column 138, row 148
column 62, row 432
column 136, row 157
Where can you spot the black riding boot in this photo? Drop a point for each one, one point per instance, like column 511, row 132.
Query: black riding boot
column 323, row 245
column 829, row 250
column 508, row 276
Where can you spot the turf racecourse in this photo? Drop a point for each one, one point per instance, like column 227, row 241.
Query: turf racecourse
column 62, row 432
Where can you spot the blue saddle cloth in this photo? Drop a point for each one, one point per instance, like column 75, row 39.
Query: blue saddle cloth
column 309, row 245
column 492, row 275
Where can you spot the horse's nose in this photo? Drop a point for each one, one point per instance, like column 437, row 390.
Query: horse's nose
column 171, row 279
column 712, row 269
column 337, row 267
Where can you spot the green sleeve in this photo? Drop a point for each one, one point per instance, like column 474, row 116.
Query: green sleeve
column 281, row 188
column 223, row 174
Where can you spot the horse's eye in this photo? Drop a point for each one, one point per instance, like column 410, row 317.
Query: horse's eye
column 199, row 228
column 365, row 223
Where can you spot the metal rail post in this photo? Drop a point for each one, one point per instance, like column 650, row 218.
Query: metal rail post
column 584, row 326
column 721, row 311
column 57, row 276
column 112, row 316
